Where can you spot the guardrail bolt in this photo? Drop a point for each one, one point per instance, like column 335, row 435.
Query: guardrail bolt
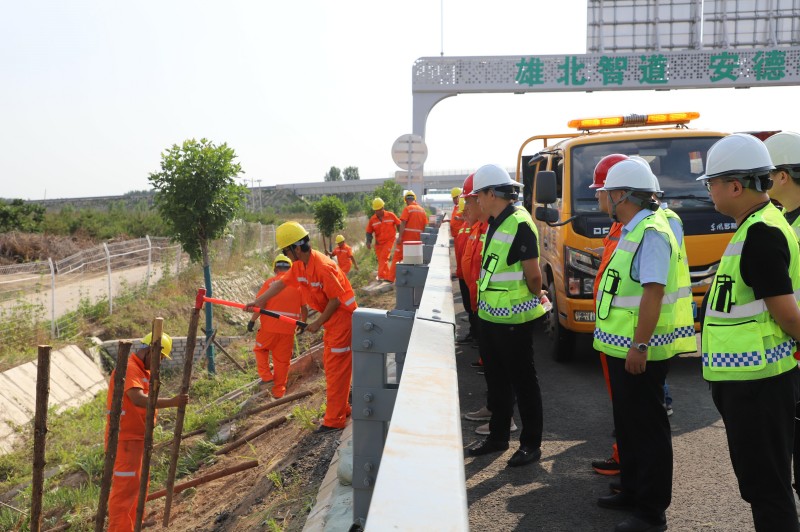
column 368, row 466
column 366, row 344
column 367, row 412
column 368, row 326
column 368, row 397
column 367, row 482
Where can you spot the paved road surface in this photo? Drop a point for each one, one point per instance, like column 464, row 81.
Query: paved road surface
column 559, row 492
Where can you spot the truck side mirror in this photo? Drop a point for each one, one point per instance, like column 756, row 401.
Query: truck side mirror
column 547, row 215
column 545, row 188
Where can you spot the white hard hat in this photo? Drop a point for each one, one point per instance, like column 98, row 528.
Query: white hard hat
column 490, row 176
column 784, row 148
column 737, row 154
column 631, row 174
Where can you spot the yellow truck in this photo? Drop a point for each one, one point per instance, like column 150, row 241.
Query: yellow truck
column 557, row 170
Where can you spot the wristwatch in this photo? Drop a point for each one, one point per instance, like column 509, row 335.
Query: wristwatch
column 642, row 348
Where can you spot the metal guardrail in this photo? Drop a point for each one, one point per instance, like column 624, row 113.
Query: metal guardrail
column 408, row 458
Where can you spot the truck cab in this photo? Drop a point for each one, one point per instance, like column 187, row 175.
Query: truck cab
column 557, row 169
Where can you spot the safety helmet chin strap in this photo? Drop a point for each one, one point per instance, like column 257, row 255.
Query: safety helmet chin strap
column 644, row 203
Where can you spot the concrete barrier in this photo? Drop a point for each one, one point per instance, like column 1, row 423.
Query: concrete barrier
column 74, row 380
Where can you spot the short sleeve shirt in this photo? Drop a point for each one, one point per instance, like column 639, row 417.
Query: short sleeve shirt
column 524, row 246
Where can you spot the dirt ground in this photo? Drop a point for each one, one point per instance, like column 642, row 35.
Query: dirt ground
column 282, row 490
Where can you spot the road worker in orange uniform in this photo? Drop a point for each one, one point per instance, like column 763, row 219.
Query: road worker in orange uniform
column 327, row 291
column 412, row 222
column 459, row 243
column 383, row 224
column 457, row 216
column 344, row 255
column 276, row 336
column 130, row 448
column 609, row 466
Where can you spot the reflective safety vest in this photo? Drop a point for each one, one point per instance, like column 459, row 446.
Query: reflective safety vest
column 503, row 294
column 619, row 298
column 684, row 313
column 741, row 340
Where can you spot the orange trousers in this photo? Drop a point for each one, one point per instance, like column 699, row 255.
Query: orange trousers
column 125, row 486
column 385, row 271
column 337, row 358
column 280, row 345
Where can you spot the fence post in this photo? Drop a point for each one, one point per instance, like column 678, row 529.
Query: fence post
column 40, row 435
column 178, row 261
column 52, row 298
column 260, row 237
column 110, row 295
column 149, row 262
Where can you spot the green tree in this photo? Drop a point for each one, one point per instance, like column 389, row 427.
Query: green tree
column 197, row 195
column 18, row 215
column 334, row 174
column 351, row 173
column 329, row 215
column 391, row 193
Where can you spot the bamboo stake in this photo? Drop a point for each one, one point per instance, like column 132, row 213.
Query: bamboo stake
column 206, row 478
column 253, row 435
column 123, row 351
column 188, row 358
column 274, row 404
column 40, row 435
column 219, row 346
column 152, row 399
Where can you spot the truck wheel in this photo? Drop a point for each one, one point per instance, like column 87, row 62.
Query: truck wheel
column 562, row 341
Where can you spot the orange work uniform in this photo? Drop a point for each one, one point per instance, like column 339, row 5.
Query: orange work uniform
column 130, row 448
column 416, row 219
column 276, row 336
column 320, row 281
column 385, row 231
column 344, row 256
column 471, row 260
column 456, row 221
column 459, row 243
column 610, row 242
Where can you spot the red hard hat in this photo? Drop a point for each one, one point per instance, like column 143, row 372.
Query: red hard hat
column 602, row 168
column 466, row 190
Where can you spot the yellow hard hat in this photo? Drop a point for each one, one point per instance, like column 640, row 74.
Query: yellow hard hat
column 455, row 192
column 461, row 203
column 288, row 233
column 407, row 193
column 281, row 258
column 377, row 204
column 166, row 343
column 339, row 239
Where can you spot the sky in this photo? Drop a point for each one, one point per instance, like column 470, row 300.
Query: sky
column 94, row 91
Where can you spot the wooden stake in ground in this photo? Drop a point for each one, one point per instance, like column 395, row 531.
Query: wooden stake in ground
column 40, row 435
column 206, row 478
column 123, row 350
column 219, row 346
column 152, row 399
column 271, row 424
column 188, row 358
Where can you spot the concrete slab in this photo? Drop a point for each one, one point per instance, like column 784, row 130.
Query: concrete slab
column 58, row 393
column 333, row 511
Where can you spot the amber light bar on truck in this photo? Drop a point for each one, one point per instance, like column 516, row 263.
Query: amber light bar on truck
column 609, row 122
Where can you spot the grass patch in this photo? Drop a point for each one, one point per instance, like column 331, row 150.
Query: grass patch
column 307, row 416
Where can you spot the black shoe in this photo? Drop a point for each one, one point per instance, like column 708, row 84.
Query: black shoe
column 618, row 501
column 524, row 455
column 476, row 364
column 615, row 486
column 635, row 524
column 488, row 446
column 606, row 467
column 465, row 339
column 322, row 429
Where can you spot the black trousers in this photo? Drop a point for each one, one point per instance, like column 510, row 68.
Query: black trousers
column 796, row 453
column 759, row 423
column 644, row 438
column 510, row 371
column 467, row 302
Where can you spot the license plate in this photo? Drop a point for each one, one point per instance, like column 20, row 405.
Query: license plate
column 694, row 310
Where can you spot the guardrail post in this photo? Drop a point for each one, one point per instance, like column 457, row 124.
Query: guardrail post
column 376, row 333
column 428, row 241
column 409, row 284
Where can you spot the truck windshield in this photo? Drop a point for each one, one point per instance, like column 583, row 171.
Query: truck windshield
column 677, row 162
